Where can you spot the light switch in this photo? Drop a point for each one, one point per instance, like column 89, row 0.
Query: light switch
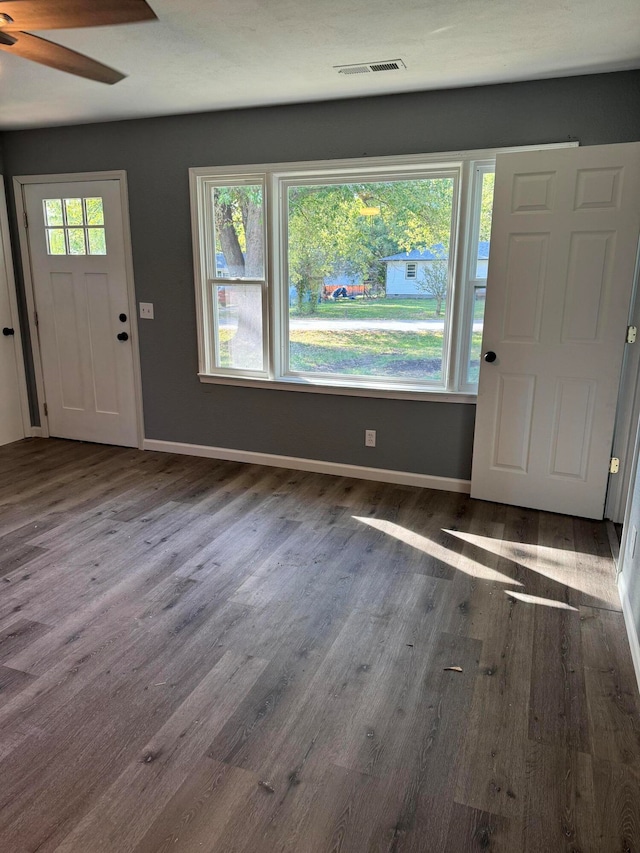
column 146, row 310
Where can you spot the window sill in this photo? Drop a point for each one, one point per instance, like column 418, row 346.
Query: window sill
column 437, row 395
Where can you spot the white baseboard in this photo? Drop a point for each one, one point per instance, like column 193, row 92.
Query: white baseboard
column 339, row 469
column 35, row 432
column 634, row 640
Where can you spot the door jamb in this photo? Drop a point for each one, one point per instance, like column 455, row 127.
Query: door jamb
column 27, row 429
column 20, row 181
column 627, row 414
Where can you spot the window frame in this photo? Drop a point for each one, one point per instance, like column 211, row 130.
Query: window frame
column 207, row 305
column 281, row 183
column 470, row 281
column 276, row 177
column 414, row 270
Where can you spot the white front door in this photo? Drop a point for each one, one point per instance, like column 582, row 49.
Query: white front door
column 563, row 252
column 77, row 252
column 12, row 426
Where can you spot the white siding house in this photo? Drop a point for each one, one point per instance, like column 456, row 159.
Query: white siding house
column 405, row 269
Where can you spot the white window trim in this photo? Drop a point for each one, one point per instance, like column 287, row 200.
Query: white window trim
column 468, row 263
column 276, row 175
column 414, row 270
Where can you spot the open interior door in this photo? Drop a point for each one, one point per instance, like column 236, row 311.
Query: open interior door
column 564, row 245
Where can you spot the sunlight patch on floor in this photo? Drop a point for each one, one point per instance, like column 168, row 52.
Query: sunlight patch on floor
column 439, row 552
column 563, row 566
column 535, row 557
column 536, row 599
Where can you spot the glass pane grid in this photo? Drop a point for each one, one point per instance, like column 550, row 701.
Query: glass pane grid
column 75, row 226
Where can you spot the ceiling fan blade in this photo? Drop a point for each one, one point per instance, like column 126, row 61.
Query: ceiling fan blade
column 67, row 14
column 47, row 53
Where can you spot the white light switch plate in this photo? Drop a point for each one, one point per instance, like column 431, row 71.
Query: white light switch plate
column 146, row 310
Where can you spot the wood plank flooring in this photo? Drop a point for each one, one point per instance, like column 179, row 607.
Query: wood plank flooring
column 210, row 657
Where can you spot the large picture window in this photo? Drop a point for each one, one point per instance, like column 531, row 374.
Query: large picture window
column 352, row 312
column 345, row 275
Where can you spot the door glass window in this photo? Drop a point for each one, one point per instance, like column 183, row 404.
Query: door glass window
column 75, row 226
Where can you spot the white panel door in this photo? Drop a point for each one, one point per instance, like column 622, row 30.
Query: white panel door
column 76, row 244
column 563, row 251
column 12, row 427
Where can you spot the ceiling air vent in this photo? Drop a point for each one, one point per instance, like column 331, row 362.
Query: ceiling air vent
column 368, row 67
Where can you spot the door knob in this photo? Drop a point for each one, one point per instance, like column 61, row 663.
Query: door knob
column 123, row 336
column 490, row 356
column 123, row 318
column 7, row 332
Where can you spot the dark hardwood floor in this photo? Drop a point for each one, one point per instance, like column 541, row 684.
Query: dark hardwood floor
column 208, row 656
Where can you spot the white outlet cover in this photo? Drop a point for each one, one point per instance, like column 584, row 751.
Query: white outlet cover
column 146, row 310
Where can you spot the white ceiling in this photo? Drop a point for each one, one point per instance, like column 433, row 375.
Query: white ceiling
column 202, row 55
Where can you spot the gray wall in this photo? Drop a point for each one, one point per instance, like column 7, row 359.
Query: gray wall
column 425, row 437
column 630, row 564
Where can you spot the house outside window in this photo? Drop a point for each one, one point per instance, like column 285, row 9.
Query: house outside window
column 293, row 273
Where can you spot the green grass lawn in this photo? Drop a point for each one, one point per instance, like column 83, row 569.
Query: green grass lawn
column 373, row 309
column 414, row 355
column 377, row 309
column 411, row 354
column 369, row 352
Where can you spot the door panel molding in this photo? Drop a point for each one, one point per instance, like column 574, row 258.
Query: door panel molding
column 22, row 181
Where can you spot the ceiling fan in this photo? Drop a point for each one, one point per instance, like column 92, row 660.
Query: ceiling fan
column 19, row 15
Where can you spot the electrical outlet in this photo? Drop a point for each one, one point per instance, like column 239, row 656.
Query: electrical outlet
column 369, row 438
column 146, row 310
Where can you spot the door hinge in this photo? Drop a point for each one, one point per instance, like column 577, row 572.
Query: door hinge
column 46, row 410
column 25, row 218
column 614, row 465
column 632, row 334
column 35, row 318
